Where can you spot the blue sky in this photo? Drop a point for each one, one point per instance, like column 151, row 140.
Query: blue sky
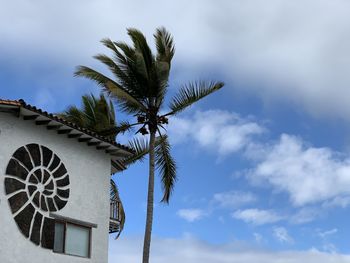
column 264, row 167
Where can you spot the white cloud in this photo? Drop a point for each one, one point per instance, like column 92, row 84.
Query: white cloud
column 258, row 238
column 328, row 233
column 330, row 248
column 305, row 215
column 189, row 250
column 257, row 216
column 308, row 174
column 274, row 49
column 290, row 57
column 217, row 130
column 233, row 199
column 341, row 201
column 191, row 215
column 281, row 234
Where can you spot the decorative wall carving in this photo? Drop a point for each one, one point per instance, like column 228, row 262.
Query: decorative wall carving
column 36, row 183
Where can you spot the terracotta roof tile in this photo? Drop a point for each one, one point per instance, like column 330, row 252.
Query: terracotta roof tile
column 22, row 103
column 10, row 102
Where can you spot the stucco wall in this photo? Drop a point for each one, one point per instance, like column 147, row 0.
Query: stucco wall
column 89, row 172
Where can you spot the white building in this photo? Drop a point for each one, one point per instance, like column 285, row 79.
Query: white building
column 54, row 188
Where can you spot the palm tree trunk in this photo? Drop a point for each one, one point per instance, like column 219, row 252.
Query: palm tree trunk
column 150, row 199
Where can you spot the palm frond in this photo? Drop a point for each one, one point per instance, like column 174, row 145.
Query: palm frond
column 140, row 147
column 144, row 54
column 119, row 71
column 128, row 67
column 114, row 192
column 128, row 55
column 122, row 127
column 124, row 56
column 165, row 45
column 165, row 52
column 134, row 68
column 89, row 108
column 166, row 165
column 191, row 94
column 96, row 114
column 162, row 76
column 105, row 111
column 110, row 63
column 111, row 110
column 73, row 114
column 111, row 45
column 144, row 68
column 128, row 103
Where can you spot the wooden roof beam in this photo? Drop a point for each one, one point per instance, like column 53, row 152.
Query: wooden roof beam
column 84, row 139
column 112, row 150
column 94, row 143
column 54, row 127
column 42, row 122
column 103, row 147
column 75, row 135
column 64, row 131
column 30, row 117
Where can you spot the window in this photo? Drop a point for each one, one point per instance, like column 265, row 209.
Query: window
column 72, row 239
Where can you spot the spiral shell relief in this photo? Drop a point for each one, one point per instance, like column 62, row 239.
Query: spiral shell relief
column 36, row 183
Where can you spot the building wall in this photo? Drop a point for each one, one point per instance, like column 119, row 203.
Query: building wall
column 89, row 174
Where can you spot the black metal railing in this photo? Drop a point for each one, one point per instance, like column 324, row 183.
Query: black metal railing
column 115, row 210
column 115, row 216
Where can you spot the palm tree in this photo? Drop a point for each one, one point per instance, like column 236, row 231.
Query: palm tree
column 98, row 115
column 139, row 85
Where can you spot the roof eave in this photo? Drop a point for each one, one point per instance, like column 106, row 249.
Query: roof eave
column 31, row 113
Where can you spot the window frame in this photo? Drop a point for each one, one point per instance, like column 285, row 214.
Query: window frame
column 65, row 223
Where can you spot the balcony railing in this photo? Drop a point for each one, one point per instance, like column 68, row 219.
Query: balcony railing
column 115, row 216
